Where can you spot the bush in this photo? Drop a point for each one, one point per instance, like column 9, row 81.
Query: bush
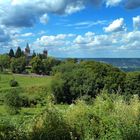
column 49, row 63
column 18, row 65
column 50, row 125
column 13, row 102
column 108, row 117
column 37, row 65
column 13, row 83
column 132, row 83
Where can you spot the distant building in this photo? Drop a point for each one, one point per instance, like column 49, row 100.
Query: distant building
column 29, row 55
column 27, row 50
column 45, row 53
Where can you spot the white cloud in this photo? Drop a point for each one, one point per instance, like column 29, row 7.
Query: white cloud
column 86, row 24
column 113, row 2
column 115, row 26
column 44, row 19
column 25, row 13
column 27, row 35
column 136, row 22
column 4, row 36
column 65, row 43
column 53, row 41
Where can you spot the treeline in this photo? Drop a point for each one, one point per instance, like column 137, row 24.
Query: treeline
column 20, row 62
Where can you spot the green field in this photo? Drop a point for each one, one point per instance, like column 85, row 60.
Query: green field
column 31, row 87
column 24, row 81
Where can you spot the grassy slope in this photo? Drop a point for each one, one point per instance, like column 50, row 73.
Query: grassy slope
column 27, row 82
column 24, row 81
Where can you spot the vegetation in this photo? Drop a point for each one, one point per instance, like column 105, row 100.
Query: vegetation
column 73, row 100
column 13, row 102
column 18, row 65
column 13, row 83
column 106, row 117
column 4, row 62
column 85, row 78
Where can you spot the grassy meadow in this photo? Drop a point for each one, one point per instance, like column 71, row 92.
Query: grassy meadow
column 31, row 87
column 24, row 81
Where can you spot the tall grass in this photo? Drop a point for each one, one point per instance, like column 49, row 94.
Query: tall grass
column 108, row 117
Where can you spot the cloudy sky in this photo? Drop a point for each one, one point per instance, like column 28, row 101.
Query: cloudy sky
column 72, row 28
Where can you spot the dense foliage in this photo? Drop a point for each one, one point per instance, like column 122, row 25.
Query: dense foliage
column 4, row 62
column 13, row 102
column 132, row 83
column 86, row 78
column 107, row 117
column 18, row 65
column 13, row 83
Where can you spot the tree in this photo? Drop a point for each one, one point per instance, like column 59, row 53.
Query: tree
column 18, row 65
column 132, row 83
column 34, row 54
column 85, row 79
column 73, row 60
column 4, row 62
column 19, row 52
column 11, row 53
column 49, row 63
column 37, row 65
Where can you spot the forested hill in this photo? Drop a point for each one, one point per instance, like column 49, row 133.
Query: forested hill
column 126, row 64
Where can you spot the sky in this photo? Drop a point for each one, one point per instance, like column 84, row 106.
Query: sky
column 72, row 28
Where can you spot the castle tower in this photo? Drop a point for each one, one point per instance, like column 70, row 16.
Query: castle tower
column 45, row 53
column 27, row 50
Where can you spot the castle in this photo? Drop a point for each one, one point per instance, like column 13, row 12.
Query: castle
column 28, row 54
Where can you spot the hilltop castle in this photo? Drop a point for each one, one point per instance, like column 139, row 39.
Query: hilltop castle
column 28, row 53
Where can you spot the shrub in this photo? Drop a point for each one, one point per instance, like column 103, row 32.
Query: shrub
column 37, row 65
column 50, row 125
column 13, row 102
column 49, row 63
column 132, row 83
column 13, row 83
column 18, row 65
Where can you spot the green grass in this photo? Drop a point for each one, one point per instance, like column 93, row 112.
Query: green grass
column 33, row 87
column 24, row 81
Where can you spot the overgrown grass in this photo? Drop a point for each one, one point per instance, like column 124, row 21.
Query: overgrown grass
column 108, row 117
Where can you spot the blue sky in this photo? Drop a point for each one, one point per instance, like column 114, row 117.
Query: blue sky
column 72, row 28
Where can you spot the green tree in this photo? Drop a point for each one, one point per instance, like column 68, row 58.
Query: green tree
column 132, row 83
column 34, row 54
column 4, row 62
column 19, row 53
column 49, row 63
column 37, row 65
column 18, row 65
column 11, row 53
column 86, row 79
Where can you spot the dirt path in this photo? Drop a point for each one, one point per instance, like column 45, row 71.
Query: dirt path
column 31, row 75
